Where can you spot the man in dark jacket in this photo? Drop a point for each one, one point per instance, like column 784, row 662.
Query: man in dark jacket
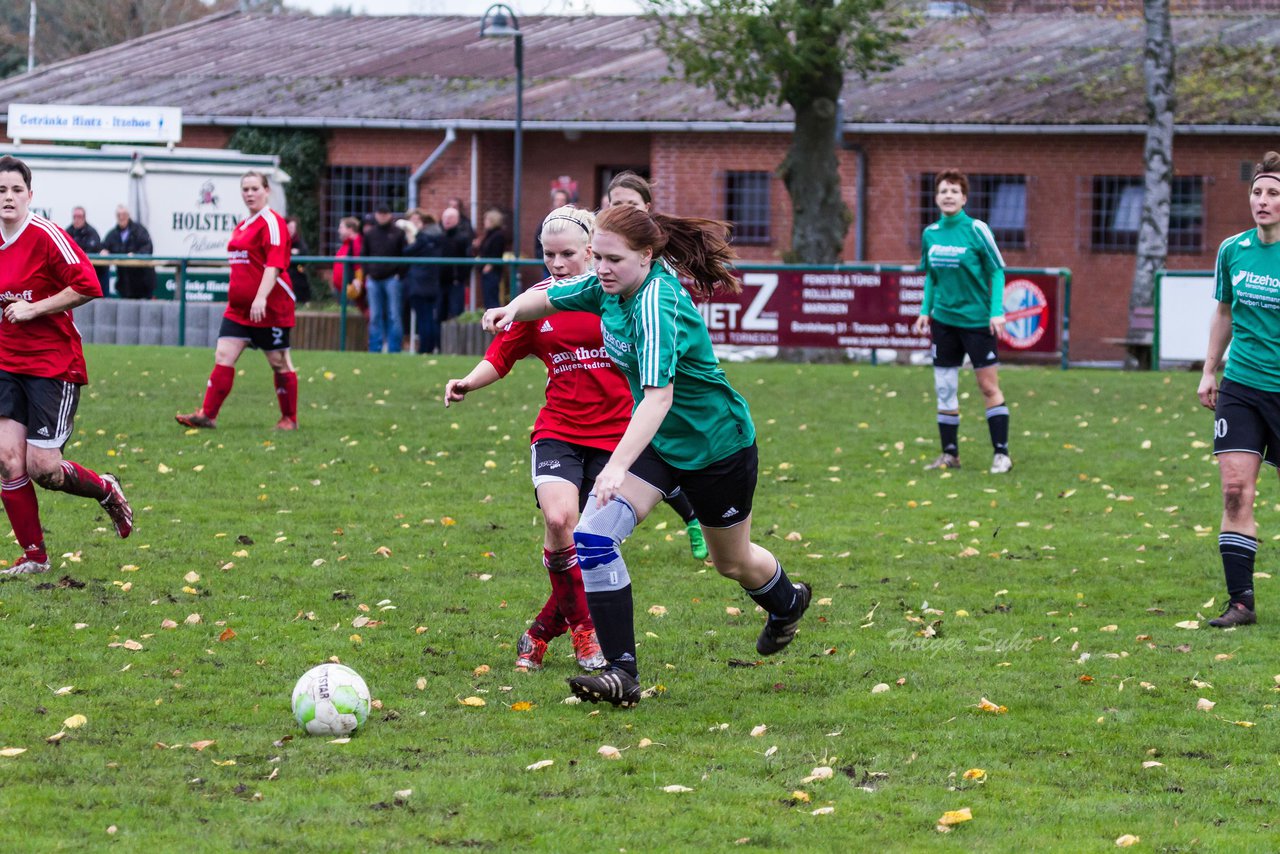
column 86, row 237
column 382, row 281
column 423, row 290
column 454, row 279
column 131, row 238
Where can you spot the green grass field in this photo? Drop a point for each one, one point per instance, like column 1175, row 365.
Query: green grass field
column 1053, row 591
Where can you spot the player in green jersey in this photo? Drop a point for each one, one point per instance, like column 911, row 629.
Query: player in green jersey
column 689, row 428
column 963, row 307
column 628, row 188
column 1246, row 427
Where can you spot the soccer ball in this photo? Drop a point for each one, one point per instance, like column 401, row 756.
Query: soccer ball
column 330, row 699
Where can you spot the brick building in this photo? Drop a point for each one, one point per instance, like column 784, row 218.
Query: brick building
column 1043, row 110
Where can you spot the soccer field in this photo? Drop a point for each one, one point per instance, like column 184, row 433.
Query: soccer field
column 402, row 539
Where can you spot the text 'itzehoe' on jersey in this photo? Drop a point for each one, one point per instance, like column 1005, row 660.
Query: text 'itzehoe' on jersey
column 657, row 337
column 39, row 262
column 588, row 400
column 1247, row 277
column 261, row 241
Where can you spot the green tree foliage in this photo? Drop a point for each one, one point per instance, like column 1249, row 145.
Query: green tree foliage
column 302, row 154
column 794, row 52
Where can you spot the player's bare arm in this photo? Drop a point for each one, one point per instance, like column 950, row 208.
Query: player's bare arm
column 66, row 299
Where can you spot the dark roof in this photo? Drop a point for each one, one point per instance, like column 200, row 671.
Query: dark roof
column 1008, row 69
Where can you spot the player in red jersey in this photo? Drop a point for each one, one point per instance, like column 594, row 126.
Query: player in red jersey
column 587, row 410
column 259, row 311
column 43, row 275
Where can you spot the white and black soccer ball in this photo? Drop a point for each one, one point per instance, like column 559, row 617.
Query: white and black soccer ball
column 330, row 699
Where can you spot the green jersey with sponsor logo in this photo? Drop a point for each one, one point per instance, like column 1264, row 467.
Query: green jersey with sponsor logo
column 963, row 272
column 1248, row 279
column 657, row 337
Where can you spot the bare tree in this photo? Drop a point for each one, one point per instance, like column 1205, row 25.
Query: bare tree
column 67, row 28
column 1153, row 234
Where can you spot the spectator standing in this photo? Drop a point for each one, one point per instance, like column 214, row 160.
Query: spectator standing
column 383, row 285
column 347, row 275
column 492, row 245
column 297, row 272
column 131, row 238
column 423, row 288
column 454, row 277
column 88, row 239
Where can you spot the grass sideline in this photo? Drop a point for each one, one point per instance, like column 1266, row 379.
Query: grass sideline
column 1053, row 591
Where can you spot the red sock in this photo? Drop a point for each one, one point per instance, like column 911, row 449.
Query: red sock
column 24, row 515
column 219, row 387
column 78, row 480
column 566, row 584
column 287, row 394
column 549, row 625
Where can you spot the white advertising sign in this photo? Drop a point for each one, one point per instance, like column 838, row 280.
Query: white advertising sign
column 94, row 123
column 1186, row 305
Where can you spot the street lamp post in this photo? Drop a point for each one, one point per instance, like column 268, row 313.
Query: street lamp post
column 499, row 21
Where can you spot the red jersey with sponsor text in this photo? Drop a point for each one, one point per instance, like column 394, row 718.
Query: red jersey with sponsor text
column 588, row 399
column 261, row 241
column 39, row 262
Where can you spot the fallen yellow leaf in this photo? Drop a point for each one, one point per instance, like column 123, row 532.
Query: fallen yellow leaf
column 1127, row 840
column 954, row 817
column 522, row 706
column 472, row 701
column 12, row 751
column 75, row 722
column 988, row 706
column 975, row 774
column 608, row 751
column 201, row 745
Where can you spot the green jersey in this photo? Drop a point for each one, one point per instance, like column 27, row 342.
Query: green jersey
column 963, row 272
column 657, row 337
column 1248, row 279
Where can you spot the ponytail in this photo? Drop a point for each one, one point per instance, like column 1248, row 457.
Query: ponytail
column 697, row 247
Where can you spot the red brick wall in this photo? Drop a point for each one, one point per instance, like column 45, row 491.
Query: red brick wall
column 687, row 169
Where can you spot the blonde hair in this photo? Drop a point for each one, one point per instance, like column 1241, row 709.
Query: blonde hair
column 568, row 219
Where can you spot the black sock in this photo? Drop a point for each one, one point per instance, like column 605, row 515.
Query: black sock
column 949, row 432
column 998, row 424
column 778, row 595
column 1238, row 553
column 611, row 611
column 680, row 503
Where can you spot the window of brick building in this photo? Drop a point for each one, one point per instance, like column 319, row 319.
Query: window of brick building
column 356, row 191
column 746, row 205
column 998, row 200
column 1115, row 209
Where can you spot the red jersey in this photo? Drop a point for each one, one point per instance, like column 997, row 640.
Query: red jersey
column 351, row 246
column 588, row 399
column 261, row 241
column 39, row 262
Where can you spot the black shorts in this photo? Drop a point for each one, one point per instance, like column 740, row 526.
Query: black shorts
column 264, row 338
column 47, row 407
column 721, row 493
column 951, row 343
column 1247, row 420
column 577, row 465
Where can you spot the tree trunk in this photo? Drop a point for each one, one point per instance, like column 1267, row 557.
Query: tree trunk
column 811, row 174
column 1153, row 236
